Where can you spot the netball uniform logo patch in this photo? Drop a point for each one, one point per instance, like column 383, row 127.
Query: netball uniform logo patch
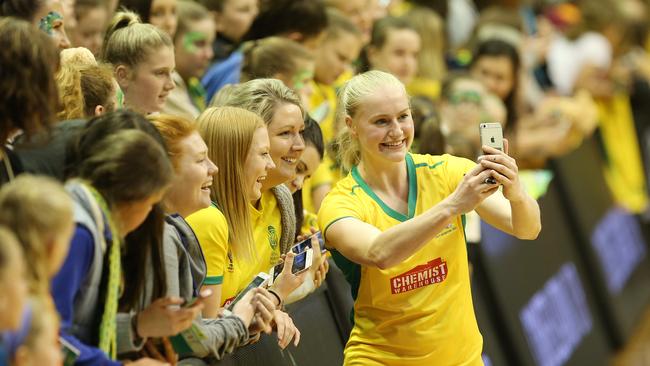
column 430, row 273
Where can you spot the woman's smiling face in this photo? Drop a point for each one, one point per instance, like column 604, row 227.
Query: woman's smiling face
column 287, row 144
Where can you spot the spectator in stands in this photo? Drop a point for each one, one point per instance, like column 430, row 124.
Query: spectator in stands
column 184, row 259
column 39, row 211
column 227, row 232
column 159, row 13
column 382, row 234
column 13, row 283
column 283, row 114
column 38, row 341
column 193, row 52
column 233, row 19
column 143, row 60
column 394, row 47
column 47, row 15
column 120, row 177
column 279, row 58
column 302, row 21
column 86, row 91
column 431, row 58
column 309, row 161
column 29, row 98
column 92, row 17
column 340, row 47
column 496, row 64
column 357, row 11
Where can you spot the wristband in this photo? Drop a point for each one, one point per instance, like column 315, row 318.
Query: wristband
column 277, row 297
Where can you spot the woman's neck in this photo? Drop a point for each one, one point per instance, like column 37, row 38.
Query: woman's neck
column 384, row 176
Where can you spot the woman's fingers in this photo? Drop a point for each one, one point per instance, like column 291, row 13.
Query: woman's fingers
column 296, row 338
column 499, row 168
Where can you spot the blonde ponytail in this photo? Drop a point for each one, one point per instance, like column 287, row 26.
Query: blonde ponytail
column 128, row 41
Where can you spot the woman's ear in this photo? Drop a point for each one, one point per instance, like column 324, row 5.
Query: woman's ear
column 123, row 76
column 99, row 110
column 348, row 122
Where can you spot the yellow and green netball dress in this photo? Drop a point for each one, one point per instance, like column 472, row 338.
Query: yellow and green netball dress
column 419, row 312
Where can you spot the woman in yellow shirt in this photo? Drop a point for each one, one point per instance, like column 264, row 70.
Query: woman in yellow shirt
column 238, row 143
column 395, row 226
column 274, row 220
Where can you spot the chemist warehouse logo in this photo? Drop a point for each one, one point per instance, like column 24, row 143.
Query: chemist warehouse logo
column 432, row 272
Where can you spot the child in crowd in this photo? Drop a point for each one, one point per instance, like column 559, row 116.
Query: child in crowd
column 159, row 13
column 45, row 15
column 143, row 60
column 279, row 58
column 92, row 17
column 33, row 109
column 14, row 287
column 233, row 19
column 394, row 48
column 302, row 21
column 307, row 165
column 39, row 211
column 86, row 91
column 193, row 52
column 38, row 341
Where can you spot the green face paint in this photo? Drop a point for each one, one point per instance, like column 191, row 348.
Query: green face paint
column 465, row 97
column 190, row 39
column 46, row 24
column 120, row 98
column 300, row 78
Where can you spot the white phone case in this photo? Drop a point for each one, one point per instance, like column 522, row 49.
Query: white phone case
column 491, row 135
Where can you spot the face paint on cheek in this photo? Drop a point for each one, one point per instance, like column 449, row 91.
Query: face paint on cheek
column 46, row 24
column 189, row 40
column 299, row 79
column 465, row 97
column 120, row 98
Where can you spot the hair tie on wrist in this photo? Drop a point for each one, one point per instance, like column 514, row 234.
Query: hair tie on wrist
column 277, row 297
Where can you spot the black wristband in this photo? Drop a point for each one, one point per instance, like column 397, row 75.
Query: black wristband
column 277, row 296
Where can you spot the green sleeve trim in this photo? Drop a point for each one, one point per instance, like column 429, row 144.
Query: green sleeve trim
column 213, row 280
column 330, row 224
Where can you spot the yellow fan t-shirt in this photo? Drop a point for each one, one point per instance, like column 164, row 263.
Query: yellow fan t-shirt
column 224, row 268
column 419, row 312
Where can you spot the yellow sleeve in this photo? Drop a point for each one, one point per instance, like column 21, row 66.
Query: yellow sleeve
column 322, row 175
column 456, row 168
column 211, row 229
column 339, row 204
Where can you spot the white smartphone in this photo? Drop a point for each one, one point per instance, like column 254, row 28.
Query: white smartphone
column 491, row 135
column 306, row 244
column 301, row 262
column 260, row 280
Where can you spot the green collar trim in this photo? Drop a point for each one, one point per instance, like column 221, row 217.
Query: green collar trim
column 412, row 196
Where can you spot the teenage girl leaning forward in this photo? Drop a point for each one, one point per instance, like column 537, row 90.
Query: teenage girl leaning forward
column 394, row 225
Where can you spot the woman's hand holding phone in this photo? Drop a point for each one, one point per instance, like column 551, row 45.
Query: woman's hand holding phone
column 505, row 171
column 286, row 281
column 263, row 306
column 255, row 310
column 164, row 317
column 319, row 266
